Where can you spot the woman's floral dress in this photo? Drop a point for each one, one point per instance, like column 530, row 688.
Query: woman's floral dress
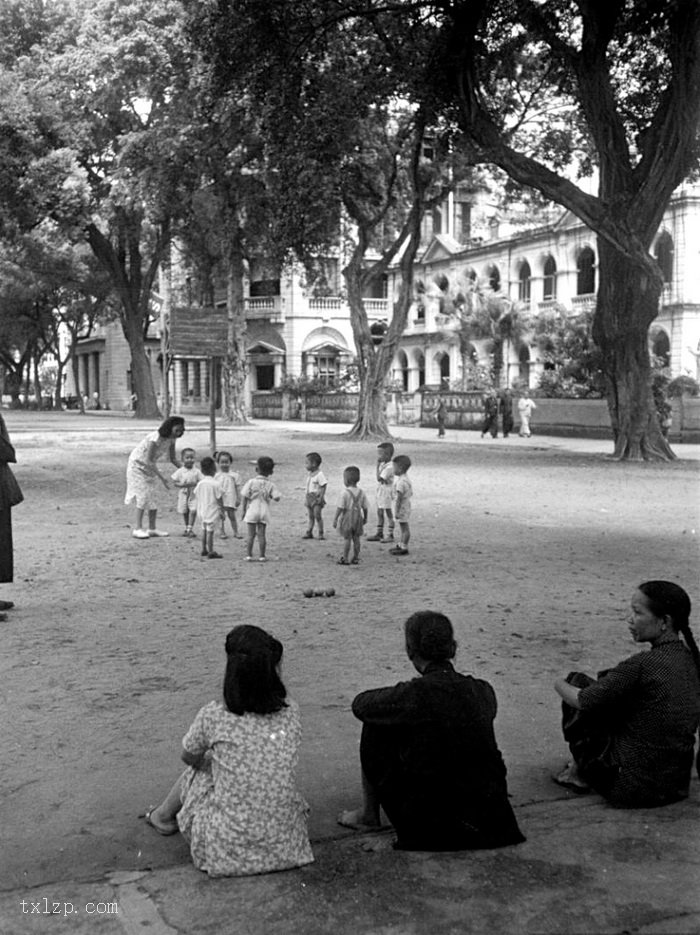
column 242, row 813
column 141, row 482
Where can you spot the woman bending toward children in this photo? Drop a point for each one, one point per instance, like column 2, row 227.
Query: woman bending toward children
column 255, row 498
column 631, row 732
column 429, row 755
column 237, row 803
column 142, row 474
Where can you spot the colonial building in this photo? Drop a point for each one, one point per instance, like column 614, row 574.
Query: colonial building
column 295, row 330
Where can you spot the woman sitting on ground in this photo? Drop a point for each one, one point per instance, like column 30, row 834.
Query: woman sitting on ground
column 631, row 733
column 429, row 755
column 237, row 804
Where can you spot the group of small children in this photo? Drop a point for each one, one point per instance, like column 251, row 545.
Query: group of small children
column 394, row 492
column 214, row 492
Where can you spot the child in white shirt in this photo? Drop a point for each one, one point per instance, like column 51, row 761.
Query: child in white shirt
column 185, row 480
column 231, row 485
column 402, row 492
column 209, row 496
column 316, row 484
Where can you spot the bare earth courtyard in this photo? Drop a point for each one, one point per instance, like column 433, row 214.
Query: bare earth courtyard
column 531, row 550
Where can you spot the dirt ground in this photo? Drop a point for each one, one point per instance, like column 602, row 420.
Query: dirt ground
column 115, row 643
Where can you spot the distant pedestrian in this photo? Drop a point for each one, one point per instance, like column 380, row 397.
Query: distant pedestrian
column 440, row 413
column 506, row 407
column 351, row 516
column 385, row 478
column 525, row 409
column 10, row 496
column 490, row 423
column 315, row 498
column 208, row 495
column 255, row 506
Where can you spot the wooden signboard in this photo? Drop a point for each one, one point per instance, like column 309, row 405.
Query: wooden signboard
column 198, row 332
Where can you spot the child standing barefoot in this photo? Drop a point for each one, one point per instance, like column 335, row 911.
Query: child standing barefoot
column 351, row 515
column 385, row 477
column 403, row 491
column 237, row 805
column 208, row 494
column 186, row 479
column 255, row 497
column 316, row 484
column 231, row 485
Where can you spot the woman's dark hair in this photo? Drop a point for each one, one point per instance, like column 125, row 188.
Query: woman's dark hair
column 165, row 429
column 351, row 476
column 265, row 466
column 666, row 599
column 430, row 635
column 252, row 682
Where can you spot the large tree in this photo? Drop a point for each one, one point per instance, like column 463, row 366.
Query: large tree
column 539, row 87
column 344, row 156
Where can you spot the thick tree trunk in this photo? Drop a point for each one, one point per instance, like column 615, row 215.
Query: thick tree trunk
column 235, row 359
column 142, row 378
column 628, row 301
column 371, row 422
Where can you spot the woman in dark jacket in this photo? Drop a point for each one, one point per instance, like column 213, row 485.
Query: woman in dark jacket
column 10, row 495
column 429, row 755
column 632, row 730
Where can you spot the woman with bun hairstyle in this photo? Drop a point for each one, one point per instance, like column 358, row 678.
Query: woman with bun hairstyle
column 429, row 755
column 631, row 732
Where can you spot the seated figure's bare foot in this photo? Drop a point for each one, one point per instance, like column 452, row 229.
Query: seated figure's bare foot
column 164, row 827
column 569, row 778
column 356, row 819
column 376, row 845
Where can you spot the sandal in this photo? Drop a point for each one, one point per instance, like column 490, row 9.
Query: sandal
column 354, row 561
column 165, row 830
column 343, row 561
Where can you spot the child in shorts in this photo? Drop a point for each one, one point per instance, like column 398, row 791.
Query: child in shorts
column 231, row 485
column 316, row 484
column 351, row 516
column 402, row 493
column 209, row 495
column 385, row 477
column 185, row 479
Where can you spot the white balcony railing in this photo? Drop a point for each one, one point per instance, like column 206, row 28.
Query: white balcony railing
column 377, row 308
column 325, row 303
column 582, row 303
column 270, row 307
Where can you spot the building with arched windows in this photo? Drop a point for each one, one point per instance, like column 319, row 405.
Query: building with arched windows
column 297, row 329
column 533, row 270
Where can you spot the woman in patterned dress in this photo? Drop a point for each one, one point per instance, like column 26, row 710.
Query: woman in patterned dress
column 142, row 473
column 237, row 804
column 632, row 731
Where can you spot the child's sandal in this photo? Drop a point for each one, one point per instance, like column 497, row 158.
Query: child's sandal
column 343, row 561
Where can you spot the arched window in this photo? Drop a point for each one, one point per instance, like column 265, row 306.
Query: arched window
column 524, row 280
column 661, row 347
column 549, row 282
column 471, row 274
column 443, row 362
column 402, row 371
column 585, row 265
column 524, row 364
column 664, row 256
column 494, row 278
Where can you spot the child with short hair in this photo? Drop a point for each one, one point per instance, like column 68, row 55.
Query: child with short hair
column 351, row 515
column 255, row 499
column 402, row 493
column 231, row 485
column 385, row 477
column 316, row 484
column 185, row 479
column 208, row 494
